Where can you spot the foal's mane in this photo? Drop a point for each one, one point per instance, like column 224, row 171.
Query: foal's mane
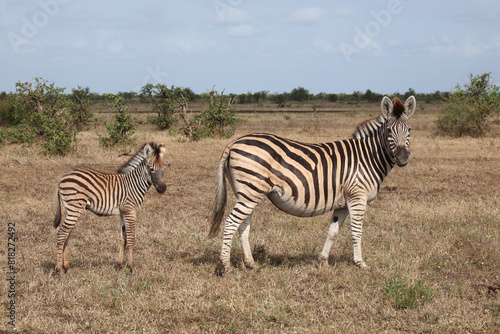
column 138, row 158
column 368, row 127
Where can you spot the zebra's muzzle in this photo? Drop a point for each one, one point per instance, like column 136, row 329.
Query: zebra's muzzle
column 402, row 155
column 161, row 187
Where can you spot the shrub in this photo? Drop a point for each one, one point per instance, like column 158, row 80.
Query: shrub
column 121, row 131
column 166, row 103
column 218, row 120
column 79, row 108
column 469, row 110
column 40, row 110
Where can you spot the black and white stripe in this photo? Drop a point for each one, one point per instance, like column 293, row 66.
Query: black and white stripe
column 311, row 179
column 107, row 194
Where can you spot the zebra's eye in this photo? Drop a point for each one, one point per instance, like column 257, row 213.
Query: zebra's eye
column 152, row 170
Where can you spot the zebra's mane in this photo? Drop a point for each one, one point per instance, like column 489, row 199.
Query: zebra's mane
column 137, row 159
column 368, row 127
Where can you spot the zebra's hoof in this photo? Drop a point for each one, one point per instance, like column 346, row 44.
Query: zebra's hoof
column 364, row 267
column 322, row 262
column 220, row 270
column 250, row 265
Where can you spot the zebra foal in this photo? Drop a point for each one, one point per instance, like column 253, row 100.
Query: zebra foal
column 107, row 194
column 311, row 179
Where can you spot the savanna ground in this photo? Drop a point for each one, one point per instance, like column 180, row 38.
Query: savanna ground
column 432, row 238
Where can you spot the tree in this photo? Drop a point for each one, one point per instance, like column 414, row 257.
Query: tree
column 410, row 92
column 470, row 109
column 167, row 103
column 80, row 106
column 121, row 131
column 299, row 94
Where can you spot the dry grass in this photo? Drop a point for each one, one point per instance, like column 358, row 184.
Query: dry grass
column 435, row 227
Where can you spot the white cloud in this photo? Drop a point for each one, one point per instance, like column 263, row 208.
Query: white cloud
column 307, row 15
column 235, row 16
column 342, row 12
column 469, row 47
column 243, row 30
column 79, row 41
column 322, row 44
column 188, row 42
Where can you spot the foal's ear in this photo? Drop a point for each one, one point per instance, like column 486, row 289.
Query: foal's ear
column 386, row 106
column 147, row 150
column 162, row 149
column 410, row 105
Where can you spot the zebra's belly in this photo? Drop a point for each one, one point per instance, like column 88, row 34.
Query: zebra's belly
column 103, row 210
column 288, row 205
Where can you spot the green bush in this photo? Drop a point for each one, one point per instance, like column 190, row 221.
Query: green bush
column 469, row 110
column 218, row 120
column 167, row 103
column 79, row 108
column 121, row 131
column 39, row 109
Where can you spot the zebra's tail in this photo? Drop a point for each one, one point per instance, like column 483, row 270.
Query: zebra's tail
column 220, row 196
column 57, row 218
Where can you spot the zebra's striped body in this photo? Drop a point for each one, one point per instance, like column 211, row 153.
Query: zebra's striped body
column 107, row 194
column 311, row 179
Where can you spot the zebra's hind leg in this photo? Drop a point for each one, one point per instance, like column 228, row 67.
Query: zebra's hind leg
column 338, row 218
column 238, row 216
column 123, row 243
column 74, row 212
column 244, row 231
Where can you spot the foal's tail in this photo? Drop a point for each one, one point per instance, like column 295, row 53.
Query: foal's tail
column 57, row 218
column 220, row 195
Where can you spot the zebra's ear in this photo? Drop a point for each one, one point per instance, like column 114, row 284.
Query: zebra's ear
column 386, row 106
column 162, row 150
column 410, row 105
column 148, row 150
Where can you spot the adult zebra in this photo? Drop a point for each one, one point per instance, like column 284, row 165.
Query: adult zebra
column 311, row 179
column 106, row 194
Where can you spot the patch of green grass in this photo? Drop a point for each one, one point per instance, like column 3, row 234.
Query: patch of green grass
column 404, row 295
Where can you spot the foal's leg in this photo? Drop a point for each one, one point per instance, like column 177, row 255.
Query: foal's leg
column 73, row 213
column 123, row 242
column 128, row 218
column 338, row 218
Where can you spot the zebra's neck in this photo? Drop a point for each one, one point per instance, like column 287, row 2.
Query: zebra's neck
column 373, row 133
column 137, row 179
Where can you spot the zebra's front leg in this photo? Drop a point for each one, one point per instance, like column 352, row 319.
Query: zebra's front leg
column 357, row 209
column 338, row 218
column 129, row 218
column 244, row 231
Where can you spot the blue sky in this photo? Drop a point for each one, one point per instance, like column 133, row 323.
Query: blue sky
column 250, row 45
